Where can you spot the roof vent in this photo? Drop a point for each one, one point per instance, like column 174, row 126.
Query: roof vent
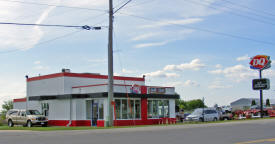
column 66, row 70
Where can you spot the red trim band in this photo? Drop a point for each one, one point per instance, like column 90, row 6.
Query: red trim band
column 99, row 85
column 20, row 100
column 84, row 75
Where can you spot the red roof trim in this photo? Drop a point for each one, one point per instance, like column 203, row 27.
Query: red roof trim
column 83, row 76
column 20, row 100
column 99, row 85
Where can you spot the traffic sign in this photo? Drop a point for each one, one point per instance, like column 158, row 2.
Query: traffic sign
column 261, row 84
column 260, row 62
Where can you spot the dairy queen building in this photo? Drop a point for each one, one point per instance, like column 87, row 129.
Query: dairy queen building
column 80, row 99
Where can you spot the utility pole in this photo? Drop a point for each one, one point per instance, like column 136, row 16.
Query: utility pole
column 110, row 66
column 203, row 109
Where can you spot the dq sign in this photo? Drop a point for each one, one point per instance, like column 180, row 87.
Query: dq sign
column 260, row 62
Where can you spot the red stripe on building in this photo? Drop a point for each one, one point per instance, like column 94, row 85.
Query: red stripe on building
column 99, row 85
column 84, row 75
column 20, row 100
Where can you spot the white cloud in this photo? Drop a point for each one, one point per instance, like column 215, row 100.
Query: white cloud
column 173, row 22
column 144, row 36
column 174, row 84
column 243, row 58
column 21, row 37
column 40, row 67
column 169, row 36
column 37, row 62
column 190, row 83
column 161, row 74
column 218, row 66
column 193, row 65
column 143, row 45
column 128, row 71
column 11, row 88
column 219, row 85
column 237, row 72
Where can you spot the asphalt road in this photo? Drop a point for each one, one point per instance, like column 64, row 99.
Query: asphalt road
column 245, row 132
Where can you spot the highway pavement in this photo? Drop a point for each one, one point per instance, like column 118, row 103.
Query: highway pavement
column 239, row 132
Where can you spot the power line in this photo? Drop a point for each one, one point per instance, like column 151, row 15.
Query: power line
column 141, row 3
column 261, row 16
column 122, row 6
column 61, row 6
column 253, row 9
column 232, row 12
column 86, row 27
column 205, row 30
column 53, row 39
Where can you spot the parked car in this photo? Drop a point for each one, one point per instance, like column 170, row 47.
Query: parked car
column 206, row 114
column 25, row 118
column 226, row 115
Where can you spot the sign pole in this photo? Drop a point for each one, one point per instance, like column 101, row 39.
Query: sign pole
column 261, row 95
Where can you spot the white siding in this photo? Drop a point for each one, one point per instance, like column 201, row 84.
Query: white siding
column 59, row 110
column 19, row 105
column 52, row 86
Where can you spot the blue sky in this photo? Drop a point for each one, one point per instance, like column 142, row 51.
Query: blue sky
column 171, row 47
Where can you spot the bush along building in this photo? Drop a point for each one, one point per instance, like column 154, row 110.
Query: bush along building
column 80, row 99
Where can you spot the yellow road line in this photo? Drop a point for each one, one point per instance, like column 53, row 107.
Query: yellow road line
column 257, row 141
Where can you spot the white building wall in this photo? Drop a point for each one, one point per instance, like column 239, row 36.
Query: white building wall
column 59, row 109
column 172, row 108
column 77, row 81
column 19, row 105
column 80, row 109
column 51, row 86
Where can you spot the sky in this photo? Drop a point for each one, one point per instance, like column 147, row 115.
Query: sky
column 201, row 47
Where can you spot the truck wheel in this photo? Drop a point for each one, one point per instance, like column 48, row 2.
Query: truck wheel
column 201, row 120
column 29, row 123
column 215, row 119
column 225, row 118
column 10, row 123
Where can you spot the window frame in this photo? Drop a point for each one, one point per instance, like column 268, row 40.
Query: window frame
column 163, row 109
column 128, row 109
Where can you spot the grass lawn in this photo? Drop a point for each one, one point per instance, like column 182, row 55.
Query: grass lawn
column 55, row 128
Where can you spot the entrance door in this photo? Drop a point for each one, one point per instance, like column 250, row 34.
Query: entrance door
column 94, row 113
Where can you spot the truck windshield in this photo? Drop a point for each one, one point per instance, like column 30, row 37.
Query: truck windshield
column 33, row 112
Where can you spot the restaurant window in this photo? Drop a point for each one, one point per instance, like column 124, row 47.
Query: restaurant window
column 137, row 109
column 149, row 109
column 117, row 108
column 45, row 109
column 127, row 109
column 95, row 109
column 158, row 108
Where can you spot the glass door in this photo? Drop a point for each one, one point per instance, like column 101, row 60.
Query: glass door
column 94, row 113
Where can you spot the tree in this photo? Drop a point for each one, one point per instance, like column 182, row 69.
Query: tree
column 180, row 105
column 253, row 103
column 6, row 107
column 267, row 103
column 193, row 104
column 189, row 105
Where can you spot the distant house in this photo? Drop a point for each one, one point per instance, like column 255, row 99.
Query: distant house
column 245, row 103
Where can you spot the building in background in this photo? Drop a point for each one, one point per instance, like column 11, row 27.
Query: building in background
column 80, row 99
column 245, row 103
